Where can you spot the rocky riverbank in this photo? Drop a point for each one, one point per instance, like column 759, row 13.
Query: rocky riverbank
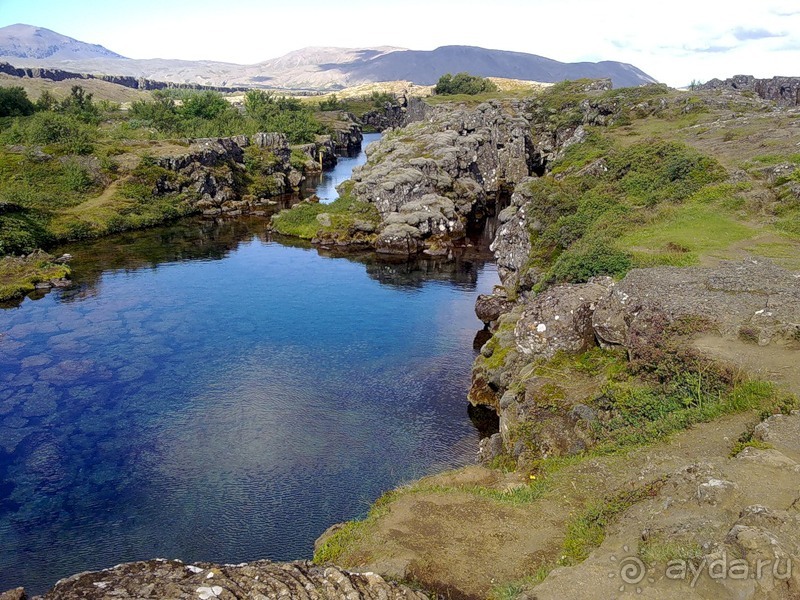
column 648, row 316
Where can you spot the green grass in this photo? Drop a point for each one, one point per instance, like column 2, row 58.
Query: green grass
column 476, row 99
column 646, row 414
column 678, row 235
column 784, row 250
column 352, row 531
column 301, row 220
column 513, row 589
column 658, row 550
column 587, row 530
column 757, row 444
column 581, row 218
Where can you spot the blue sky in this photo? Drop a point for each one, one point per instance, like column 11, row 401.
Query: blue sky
column 675, row 41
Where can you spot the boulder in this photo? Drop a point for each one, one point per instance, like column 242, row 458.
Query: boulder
column 399, row 238
column 489, row 307
column 560, row 319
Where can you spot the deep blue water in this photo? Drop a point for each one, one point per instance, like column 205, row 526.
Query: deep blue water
column 205, row 393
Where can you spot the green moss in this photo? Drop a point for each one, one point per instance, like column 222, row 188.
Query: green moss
column 301, row 220
column 498, row 356
column 19, row 275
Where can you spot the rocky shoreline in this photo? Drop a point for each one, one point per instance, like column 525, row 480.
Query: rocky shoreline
column 260, row 579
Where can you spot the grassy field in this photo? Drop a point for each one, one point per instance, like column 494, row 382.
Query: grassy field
column 101, row 90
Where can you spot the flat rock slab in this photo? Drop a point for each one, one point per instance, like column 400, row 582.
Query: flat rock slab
column 206, row 581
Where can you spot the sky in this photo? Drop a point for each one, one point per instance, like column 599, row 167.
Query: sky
column 675, row 42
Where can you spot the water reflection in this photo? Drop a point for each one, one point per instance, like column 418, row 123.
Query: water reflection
column 201, row 238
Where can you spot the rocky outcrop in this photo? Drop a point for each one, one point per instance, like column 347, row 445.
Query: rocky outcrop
column 752, row 301
column 347, row 136
column 432, row 178
column 213, row 170
column 781, row 90
column 321, row 154
column 490, row 307
column 388, row 117
column 512, row 242
column 393, row 115
column 713, row 530
column 206, row 581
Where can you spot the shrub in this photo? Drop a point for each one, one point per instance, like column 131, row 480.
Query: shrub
column 463, row 83
column 66, row 131
column 80, row 104
column 14, row 102
column 160, row 113
column 577, row 266
column 21, row 231
column 381, row 99
column 204, row 105
column 332, row 103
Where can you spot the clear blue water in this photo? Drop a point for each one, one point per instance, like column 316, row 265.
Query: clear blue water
column 326, row 187
column 205, row 393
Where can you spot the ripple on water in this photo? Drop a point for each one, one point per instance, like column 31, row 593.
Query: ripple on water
column 226, row 422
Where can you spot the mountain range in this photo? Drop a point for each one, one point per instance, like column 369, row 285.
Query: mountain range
column 313, row 68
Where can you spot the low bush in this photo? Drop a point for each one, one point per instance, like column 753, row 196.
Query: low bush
column 463, row 83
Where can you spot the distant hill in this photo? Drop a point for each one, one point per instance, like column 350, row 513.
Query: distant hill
column 38, row 43
column 425, row 67
column 313, row 68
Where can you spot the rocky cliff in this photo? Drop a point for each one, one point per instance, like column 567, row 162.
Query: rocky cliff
column 647, row 318
column 451, row 165
column 781, row 90
column 434, row 178
column 648, row 315
column 240, row 174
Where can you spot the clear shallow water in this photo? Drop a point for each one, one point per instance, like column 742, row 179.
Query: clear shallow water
column 326, row 187
column 208, row 394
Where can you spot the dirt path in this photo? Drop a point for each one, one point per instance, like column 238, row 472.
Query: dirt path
column 777, row 362
column 98, row 202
